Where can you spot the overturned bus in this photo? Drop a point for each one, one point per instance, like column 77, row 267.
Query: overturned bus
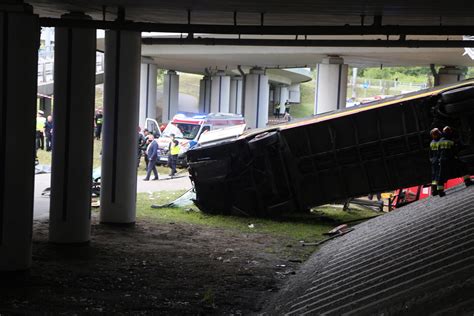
column 353, row 152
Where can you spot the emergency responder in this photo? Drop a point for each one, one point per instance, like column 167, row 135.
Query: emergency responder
column 434, row 159
column 48, row 131
column 173, row 156
column 40, row 125
column 98, row 120
column 448, row 160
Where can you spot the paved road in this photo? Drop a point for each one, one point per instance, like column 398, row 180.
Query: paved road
column 42, row 181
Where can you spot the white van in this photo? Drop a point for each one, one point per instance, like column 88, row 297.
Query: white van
column 188, row 128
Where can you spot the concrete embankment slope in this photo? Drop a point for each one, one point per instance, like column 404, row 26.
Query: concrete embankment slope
column 416, row 260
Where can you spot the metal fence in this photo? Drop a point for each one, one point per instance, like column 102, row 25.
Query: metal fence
column 46, row 65
column 363, row 87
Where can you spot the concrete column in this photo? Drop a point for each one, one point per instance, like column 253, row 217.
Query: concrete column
column 171, row 96
column 276, row 94
column 119, row 148
column 148, row 74
column 331, row 85
column 74, row 92
column 294, row 93
column 19, row 42
column 236, row 87
column 450, row 74
column 205, row 95
column 45, row 105
column 220, row 93
column 284, row 96
column 256, row 98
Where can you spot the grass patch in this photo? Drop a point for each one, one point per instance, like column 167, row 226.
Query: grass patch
column 307, row 227
column 305, row 108
column 44, row 157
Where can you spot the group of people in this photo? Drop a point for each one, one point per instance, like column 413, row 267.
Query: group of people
column 148, row 147
column 45, row 126
column 276, row 109
column 44, row 131
column 443, row 158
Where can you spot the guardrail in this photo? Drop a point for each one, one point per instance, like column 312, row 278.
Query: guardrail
column 46, row 66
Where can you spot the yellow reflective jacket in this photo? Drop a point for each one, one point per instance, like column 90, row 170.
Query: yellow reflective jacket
column 174, row 149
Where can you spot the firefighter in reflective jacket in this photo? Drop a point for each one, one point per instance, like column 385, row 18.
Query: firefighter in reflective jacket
column 448, row 161
column 434, row 159
column 173, row 156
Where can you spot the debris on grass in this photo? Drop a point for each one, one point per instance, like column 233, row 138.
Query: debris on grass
column 187, row 199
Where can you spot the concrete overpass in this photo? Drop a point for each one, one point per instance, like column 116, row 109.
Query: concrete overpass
column 275, row 24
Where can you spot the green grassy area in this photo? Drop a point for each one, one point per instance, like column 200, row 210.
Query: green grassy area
column 44, row 157
column 307, row 227
column 305, row 108
column 189, row 84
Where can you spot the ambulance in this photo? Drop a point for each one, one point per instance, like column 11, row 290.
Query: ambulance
column 188, row 128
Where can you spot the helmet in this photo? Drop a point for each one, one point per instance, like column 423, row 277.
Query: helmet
column 447, row 130
column 435, row 133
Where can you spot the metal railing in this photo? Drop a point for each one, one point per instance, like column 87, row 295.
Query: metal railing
column 46, row 66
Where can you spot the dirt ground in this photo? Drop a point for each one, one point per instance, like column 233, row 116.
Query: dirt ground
column 154, row 268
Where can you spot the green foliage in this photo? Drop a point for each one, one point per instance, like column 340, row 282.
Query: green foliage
column 402, row 74
column 470, row 72
column 305, row 108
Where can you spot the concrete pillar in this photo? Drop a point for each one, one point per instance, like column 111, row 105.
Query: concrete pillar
column 19, row 43
column 119, row 147
column 331, row 85
column 148, row 74
column 74, row 92
column 450, row 74
column 256, row 98
column 276, row 94
column 236, row 87
column 205, row 95
column 45, row 105
column 294, row 93
column 171, row 96
column 284, row 96
column 220, row 93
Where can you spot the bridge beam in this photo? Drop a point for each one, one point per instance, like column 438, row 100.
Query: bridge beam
column 19, row 42
column 74, row 92
column 119, row 149
column 267, row 29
